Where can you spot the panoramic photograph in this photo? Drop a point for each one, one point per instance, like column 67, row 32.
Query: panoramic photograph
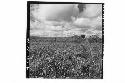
column 64, row 40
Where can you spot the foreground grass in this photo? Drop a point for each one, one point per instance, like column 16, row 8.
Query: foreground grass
column 72, row 58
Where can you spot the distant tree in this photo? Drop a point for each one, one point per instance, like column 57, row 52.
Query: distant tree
column 83, row 36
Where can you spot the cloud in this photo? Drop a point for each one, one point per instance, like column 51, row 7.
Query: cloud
column 83, row 22
column 59, row 20
column 92, row 10
column 60, row 12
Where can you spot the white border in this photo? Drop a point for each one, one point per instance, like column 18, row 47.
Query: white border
column 13, row 21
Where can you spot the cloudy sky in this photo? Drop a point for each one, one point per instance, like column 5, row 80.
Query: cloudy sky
column 63, row 20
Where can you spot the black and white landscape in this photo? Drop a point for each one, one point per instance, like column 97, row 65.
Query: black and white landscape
column 64, row 40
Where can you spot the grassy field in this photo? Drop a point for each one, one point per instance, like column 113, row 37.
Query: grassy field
column 71, row 57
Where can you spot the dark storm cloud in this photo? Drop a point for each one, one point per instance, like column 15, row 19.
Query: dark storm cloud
column 81, row 7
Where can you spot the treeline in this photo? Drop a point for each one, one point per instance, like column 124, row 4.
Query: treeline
column 75, row 39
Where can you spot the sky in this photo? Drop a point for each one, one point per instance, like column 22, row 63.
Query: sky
column 64, row 20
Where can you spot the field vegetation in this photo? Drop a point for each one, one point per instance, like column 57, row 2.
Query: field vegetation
column 68, row 57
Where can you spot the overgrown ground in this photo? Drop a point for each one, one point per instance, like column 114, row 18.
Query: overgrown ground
column 73, row 58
